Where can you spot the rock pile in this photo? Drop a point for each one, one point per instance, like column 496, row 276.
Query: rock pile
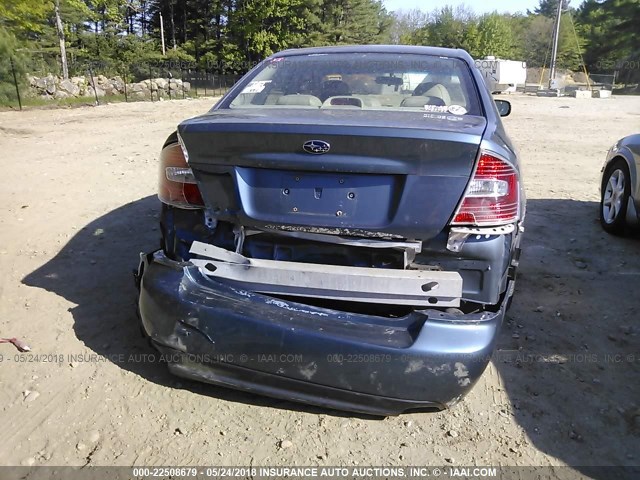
column 51, row 87
column 564, row 77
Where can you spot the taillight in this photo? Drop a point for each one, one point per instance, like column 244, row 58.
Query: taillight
column 493, row 194
column 177, row 186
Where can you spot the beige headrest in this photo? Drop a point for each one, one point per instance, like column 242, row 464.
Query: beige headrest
column 440, row 91
column 304, row 100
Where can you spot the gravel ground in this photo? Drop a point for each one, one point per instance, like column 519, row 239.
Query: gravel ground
column 78, row 187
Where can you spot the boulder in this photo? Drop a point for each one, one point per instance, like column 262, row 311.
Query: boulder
column 138, row 87
column 109, row 89
column 68, row 87
column 118, row 84
column 46, row 84
column 99, row 92
column 186, row 86
column 60, row 95
column 161, row 83
column 81, row 80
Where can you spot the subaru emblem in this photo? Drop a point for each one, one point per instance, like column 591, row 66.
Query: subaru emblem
column 316, row 147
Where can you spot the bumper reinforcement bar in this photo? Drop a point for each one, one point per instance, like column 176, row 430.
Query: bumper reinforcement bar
column 356, row 284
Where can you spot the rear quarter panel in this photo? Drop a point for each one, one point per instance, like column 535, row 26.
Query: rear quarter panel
column 495, row 138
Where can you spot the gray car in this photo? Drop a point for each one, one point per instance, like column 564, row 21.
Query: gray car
column 341, row 229
column 620, row 187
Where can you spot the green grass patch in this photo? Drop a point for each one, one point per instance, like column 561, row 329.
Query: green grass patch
column 69, row 102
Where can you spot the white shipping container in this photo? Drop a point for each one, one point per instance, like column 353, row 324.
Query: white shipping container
column 502, row 76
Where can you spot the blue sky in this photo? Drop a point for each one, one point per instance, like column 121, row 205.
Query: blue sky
column 479, row 6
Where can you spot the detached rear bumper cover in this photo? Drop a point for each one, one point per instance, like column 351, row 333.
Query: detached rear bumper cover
column 232, row 337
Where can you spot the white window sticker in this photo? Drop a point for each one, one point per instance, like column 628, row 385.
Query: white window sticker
column 256, row 87
column 436, row 116
column 435, row 109
column 457, row 110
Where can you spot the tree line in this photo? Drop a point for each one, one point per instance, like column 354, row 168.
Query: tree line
column 229, row 36
column 599, row 35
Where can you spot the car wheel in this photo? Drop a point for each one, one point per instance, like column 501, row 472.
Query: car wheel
column 614, row 198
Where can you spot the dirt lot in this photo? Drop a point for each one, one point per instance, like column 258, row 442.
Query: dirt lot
column 78, row 192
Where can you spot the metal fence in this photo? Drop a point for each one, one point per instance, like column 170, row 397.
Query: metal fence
column 212, row 83
column 600, row 81
column 33, row 81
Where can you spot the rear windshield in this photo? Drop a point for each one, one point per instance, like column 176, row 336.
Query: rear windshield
column 360, row 81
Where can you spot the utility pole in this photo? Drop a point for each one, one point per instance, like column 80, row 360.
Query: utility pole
column 162, row 34
column 61, row 39
column 556, row 38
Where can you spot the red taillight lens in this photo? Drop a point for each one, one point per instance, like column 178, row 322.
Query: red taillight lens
column 493, row 195
column 177, row 186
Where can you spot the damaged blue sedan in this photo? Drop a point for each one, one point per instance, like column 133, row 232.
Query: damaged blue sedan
column 342, row 229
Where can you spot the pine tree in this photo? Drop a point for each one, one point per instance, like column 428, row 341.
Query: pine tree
column 549, row 8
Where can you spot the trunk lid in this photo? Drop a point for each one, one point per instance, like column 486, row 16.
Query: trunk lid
column 398, row 174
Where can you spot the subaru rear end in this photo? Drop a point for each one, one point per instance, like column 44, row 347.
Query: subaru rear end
column 342, row 229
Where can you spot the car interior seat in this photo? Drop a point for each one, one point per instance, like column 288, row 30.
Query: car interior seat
column 431, row 89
